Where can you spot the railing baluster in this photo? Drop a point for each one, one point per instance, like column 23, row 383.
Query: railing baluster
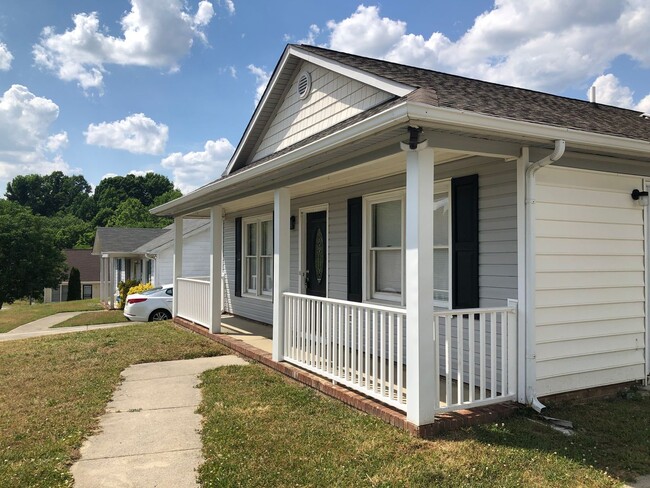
column 493, row 354
column 504, row 353
column 482, row 354
column 460, row 355
column 400, row 358
column 471, row 338
column 390, row 357
column 448, row 364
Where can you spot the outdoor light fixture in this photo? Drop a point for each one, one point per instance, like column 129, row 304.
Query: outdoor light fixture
column 641, row 196
column 292, row 221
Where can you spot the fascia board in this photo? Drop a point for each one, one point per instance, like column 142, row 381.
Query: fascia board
column 518, row 128
column 379, row 82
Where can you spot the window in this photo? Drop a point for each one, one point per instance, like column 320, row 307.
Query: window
column 385, row 230
column 257, row 254
column 385, row 258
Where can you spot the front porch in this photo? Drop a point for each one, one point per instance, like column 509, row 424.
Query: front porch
column 362, row 346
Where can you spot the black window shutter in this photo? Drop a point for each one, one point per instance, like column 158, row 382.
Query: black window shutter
column 355, row 233
column 238, row 240
column 464, row 230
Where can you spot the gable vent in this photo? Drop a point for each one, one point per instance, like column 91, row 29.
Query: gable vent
column 304, row 85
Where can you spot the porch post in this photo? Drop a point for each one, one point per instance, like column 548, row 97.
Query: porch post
column 101, row 278
column 111, row 282
column 281, row 217
column 216, row 226
column 421, row 371
column 178, row 260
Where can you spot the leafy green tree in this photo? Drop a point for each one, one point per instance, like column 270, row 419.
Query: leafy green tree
column 74, row 285
column 132, row 213
column 70, row 231
column 29, row 258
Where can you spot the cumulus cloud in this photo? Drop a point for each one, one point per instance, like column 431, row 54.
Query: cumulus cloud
column 314, row 32
column 154, row 34
column 136, row 133
column 195, row 169
column 5, row 57
column 610, row 91
column 230, row 6
column 548, row 45
column 26, row 145
column 261, row 78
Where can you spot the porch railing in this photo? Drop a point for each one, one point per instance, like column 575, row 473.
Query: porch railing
column 193, row 300
column 358, row 345
column 362, row 346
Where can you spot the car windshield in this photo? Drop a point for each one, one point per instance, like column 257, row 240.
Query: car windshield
column 152, row 291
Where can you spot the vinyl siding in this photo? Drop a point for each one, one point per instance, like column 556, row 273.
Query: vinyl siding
column 196, row 259
column 497, row 236
column 333, row 98
column 590, row 293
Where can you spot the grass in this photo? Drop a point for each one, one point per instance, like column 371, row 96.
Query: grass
column 94, row 318
column 261, row 430
column 21, row 312
column 54, row 390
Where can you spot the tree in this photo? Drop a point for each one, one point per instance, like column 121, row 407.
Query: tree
column 69, row 231
column 132, row 213
column 74, row 285
column 29, row 258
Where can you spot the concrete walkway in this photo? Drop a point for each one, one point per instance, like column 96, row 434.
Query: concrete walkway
column 42, row 326
column 150, row 433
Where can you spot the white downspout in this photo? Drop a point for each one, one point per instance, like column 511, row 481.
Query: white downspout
column 531, row 372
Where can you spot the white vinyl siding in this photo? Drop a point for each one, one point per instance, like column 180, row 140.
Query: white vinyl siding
column 333, row 99
column 590, row 291
column 196, row 258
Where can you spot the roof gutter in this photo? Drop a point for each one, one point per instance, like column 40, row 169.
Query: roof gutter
column 531, row 270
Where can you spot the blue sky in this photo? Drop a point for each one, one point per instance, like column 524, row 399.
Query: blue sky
column 113, row 87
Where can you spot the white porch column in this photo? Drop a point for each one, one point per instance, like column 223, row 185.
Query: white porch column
column 101, row 278
column 178, row 260
column 111, row 282
column 216, row 224
column 281, row 217
column 420, row 341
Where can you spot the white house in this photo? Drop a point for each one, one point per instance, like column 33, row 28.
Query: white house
column 432, row 241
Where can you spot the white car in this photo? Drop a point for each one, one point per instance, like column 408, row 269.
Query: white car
column 150, row 305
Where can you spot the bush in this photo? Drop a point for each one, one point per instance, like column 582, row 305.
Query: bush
column 140, row 288
column 74, row 285
column 124, row 287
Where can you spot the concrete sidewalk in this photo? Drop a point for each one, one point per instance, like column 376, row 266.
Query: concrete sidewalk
column 150, row 433
column 41, row 327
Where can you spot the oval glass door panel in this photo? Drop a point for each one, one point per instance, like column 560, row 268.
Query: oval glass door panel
column 319, row 255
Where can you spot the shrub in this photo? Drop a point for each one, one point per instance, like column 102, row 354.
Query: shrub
column 124, row 287
column 140, row 288
column 74, row 285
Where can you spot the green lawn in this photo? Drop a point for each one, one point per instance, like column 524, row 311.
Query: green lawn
column 53, row 391
column 21, row 312
column 261, row 430
column 94, row 318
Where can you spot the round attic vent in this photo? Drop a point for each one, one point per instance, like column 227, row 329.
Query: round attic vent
column 304, row 85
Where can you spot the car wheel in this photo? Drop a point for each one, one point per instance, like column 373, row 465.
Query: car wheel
column 158, row 315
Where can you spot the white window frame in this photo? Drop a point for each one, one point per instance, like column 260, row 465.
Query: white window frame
column 369, row 293
column 258, row 292
column 444, row 186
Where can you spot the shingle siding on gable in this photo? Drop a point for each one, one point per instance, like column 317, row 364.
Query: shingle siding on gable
column 333, row 98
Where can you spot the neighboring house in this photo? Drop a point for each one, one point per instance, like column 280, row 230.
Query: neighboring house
column 116, row 247
column 88, row 266
column 196, row 250
column 370, row 205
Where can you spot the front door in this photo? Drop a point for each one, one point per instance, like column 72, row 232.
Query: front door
column 316, row 254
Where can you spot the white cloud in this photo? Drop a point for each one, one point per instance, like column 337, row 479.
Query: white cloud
column 5, row 57
column 154, row 34
column 26, row 145
column 136, row 133
column 138, row 172
column 195, row 169
column 313, row 33
column 548, row 45
column 261, row 78
column 609, row 91
column 230, row 6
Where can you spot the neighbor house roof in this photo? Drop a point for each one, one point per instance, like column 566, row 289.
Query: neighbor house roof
column 123, row 239
column 85, row 262
column 166, row 239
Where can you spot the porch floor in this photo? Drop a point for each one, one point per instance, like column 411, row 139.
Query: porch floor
column 254, row 340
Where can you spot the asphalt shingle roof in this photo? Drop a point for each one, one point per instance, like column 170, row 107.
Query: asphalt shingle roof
column 123, row 239
column 85, row 262
column 460, row 93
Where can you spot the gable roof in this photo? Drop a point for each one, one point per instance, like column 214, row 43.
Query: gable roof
column 85, row 262
column 166, row 239
column 123, row 239
column 437, row 89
